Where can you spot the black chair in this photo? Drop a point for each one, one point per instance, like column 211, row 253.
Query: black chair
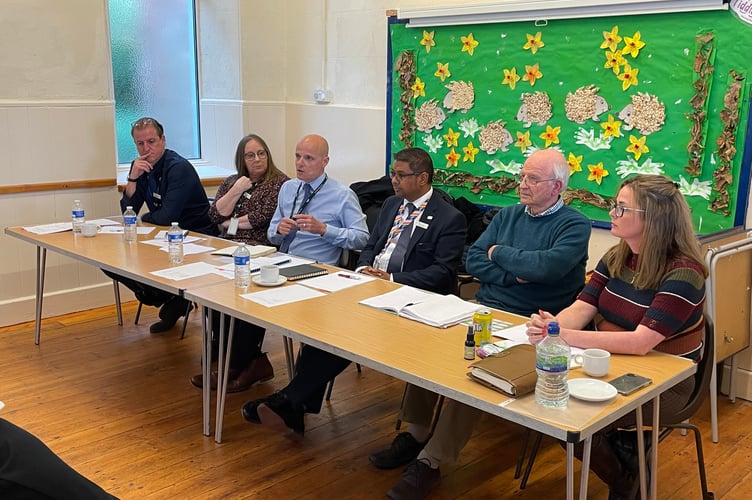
column 669, row 423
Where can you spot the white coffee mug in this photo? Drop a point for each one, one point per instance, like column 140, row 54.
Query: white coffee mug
column 269, row 274
column 594, row 362
column 89, row 229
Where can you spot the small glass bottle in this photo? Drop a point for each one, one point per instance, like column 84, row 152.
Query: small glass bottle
column 470, row 343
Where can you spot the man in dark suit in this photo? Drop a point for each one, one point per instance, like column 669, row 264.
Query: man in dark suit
column 418, row 240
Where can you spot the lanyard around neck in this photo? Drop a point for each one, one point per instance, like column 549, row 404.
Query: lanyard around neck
column 307, row 200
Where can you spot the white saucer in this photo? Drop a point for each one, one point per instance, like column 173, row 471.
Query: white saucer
column 589, row 389
column 257, row 280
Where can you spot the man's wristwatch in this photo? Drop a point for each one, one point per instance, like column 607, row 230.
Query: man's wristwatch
column 132, row 180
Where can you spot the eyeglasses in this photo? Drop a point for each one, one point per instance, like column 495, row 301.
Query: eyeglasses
column 400, row 176
column 618, row 210
column 258, row 154
column 531, row 182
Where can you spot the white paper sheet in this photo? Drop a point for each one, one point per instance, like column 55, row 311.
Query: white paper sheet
column 186, row 271
column 54, row 227
column 282, row 295
column 333, row 282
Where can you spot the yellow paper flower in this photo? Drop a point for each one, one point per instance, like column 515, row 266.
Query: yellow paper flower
column 615, row 61
column 532, row 73
column 442, row 71
column 523, row 141
column 470, row 152
column 551, row 135
column 451, row 138
column 628, row 77
column 510, row 78
column 611, row 39
column 632, row 45
column 452, row 158
column 533, row 42
column 469, row 43
column 612, row 128
column 597, row 173
column 427, row 41
column 637, row 146
column 418, row 88
column 574, row 163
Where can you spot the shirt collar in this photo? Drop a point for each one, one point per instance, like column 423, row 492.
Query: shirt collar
column 316, row 182
column 418, row 202
column 550, row 210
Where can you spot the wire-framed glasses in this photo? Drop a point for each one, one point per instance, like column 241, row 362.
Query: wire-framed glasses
column 618, row 209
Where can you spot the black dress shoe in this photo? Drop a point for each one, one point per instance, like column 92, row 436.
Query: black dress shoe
column 281, row 414
column 161, row 326
column 403, row 450
column 250, row 409
column 416, row 482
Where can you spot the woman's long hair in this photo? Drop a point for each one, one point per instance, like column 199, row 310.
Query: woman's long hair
column 272, row 172
column 667, row 236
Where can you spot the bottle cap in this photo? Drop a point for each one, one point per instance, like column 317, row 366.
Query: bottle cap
column 552, row 328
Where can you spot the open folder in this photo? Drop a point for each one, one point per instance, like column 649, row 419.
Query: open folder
column 440, row 311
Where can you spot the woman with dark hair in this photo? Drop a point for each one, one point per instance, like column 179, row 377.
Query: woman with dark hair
column 649, row 290
column 243, row 207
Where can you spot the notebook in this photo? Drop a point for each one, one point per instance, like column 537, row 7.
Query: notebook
column 511, row 371
column 301, row 271
column 440, row 311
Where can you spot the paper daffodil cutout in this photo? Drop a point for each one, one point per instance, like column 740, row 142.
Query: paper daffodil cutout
column 532, row 73
column 442, row 71
column 628, row 77
column 451, row 138
column 523, row 141
column 470, row 152
column 615, row 61
column 469, row 43
column 551, row 135
column 418, row 88
column 452, row 158
column 612, row 128
column 428, row 41
column 637, row 146
column 575, row 163
column 510, row 78
column 597, row 173
column 533, row 42
column 632, row 45
column 611, row 39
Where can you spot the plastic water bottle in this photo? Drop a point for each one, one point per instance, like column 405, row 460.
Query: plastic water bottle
column 175, row 244
column 77, row 216
column 129, row 225
column 552, row 364
column 242, row 259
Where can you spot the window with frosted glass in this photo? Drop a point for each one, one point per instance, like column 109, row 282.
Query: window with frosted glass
column 154, row 70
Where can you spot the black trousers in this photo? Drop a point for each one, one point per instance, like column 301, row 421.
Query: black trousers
column 314, row 369
column 247, row 340
column 29, row 470
column 171, row 306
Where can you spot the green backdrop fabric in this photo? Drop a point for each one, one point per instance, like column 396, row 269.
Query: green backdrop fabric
column 572, row 56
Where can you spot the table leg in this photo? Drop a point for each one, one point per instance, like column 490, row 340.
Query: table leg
column 223, row 370
column 584, row 473
column 41, row 263
column 289, row 356
column 654, row 450
column 205, row 367
column 641, row 453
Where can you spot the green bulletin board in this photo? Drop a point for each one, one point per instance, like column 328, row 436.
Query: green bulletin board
column 618, row 96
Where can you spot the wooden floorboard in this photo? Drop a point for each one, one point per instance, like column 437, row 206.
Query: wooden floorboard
column 115, row 403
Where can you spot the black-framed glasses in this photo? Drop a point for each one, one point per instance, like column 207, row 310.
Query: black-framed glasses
column 531, row 182
column 618, row 209
column 258, row 154
column 400, row 175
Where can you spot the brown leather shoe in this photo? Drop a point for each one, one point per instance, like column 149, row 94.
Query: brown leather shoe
column 259, row 370
column 198, row 380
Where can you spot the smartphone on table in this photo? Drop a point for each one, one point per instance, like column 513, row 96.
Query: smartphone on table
column 629, row 383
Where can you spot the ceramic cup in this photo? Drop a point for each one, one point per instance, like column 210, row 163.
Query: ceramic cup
column 89, row 229
column 594, row 362
column 269, row 274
